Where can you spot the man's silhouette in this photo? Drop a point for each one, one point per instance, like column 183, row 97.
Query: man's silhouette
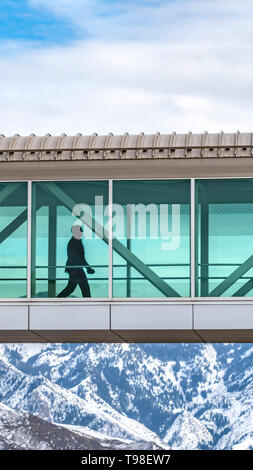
column 76, row 259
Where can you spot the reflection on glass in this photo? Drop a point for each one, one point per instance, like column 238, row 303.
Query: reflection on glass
column 224, row 223
column 151, row 244
column 62, row 262
column 13, row 239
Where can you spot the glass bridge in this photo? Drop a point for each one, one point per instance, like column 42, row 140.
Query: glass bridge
column 166, row 258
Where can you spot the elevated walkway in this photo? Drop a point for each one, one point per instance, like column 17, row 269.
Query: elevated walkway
column 207, row 298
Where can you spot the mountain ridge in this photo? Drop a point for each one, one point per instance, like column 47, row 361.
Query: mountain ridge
column 130, row 390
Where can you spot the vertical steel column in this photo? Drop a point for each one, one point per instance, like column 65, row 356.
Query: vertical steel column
column 52, row 232
column 110, row 272
column 33, row 240
column 196, row 240
column 29, row 239
column 128, row 268
column 204, row 254
column 192, row 238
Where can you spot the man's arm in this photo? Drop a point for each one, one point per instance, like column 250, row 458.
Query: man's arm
column 85, row 263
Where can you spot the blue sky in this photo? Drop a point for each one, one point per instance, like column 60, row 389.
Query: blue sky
column 109, row 66
column 20, row 20
column 43, row 21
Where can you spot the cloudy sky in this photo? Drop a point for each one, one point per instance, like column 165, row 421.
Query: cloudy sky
column 139, row 65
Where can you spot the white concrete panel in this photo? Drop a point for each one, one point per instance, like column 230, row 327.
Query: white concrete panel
column 223, row 317
column 13, row 317
column 151, row 317
column 72, row 317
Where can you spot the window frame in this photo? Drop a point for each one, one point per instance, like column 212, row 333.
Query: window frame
column 110, row 299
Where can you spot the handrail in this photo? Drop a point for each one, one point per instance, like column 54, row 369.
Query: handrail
column 122, row 278
column 124, row 265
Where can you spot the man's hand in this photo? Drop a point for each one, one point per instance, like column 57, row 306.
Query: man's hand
column 90, row 270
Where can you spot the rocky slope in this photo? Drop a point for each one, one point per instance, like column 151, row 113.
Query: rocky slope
column 23, row 431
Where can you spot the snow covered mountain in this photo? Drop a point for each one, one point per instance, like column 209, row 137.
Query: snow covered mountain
column 189, row 396
column 23, row 431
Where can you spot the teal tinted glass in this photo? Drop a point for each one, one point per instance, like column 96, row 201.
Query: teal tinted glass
column 68, row 239
column 13, row 240
column 224, row 236
column 151, row 238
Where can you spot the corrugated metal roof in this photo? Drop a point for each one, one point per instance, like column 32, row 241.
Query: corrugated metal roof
column 125, row 147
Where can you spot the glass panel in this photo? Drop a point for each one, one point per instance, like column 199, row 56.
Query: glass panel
column 224, row 231
column 151, row 244
column 13, row 239
column 69, row 240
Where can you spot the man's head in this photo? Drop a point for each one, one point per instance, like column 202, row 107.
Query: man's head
column 77, row 231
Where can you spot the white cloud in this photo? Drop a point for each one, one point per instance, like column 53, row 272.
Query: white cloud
column 155, row 18
column 194, row 75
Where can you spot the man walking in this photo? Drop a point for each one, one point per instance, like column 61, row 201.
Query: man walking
column 76, row 259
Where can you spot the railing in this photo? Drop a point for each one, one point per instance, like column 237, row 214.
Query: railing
column 130, row 279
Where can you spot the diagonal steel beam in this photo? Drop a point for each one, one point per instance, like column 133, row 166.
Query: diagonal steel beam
column 13, row 225
column 232, row 278
column 244, row 289
column 123, row 251
column 8, row 190
column 19, row 220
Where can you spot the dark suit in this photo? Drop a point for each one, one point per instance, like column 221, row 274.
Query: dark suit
column 77, row 276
